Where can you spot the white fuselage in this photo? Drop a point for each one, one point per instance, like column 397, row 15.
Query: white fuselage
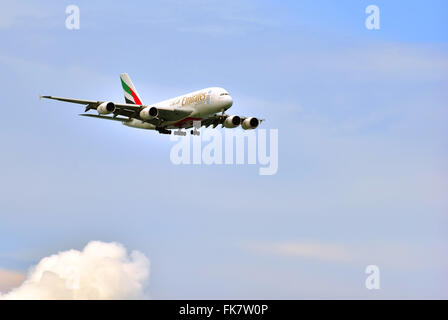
column 202, row 103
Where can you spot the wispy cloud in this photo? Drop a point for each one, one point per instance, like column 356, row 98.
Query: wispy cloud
column 305, row 249
column 15, row 13
column 212, row 18
column 396, row 256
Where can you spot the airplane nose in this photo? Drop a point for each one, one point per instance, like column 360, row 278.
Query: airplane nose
column 225, row 101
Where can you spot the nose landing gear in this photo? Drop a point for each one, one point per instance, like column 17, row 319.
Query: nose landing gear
column 196, row 126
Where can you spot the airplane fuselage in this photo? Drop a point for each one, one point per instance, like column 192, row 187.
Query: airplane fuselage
column 202, row 103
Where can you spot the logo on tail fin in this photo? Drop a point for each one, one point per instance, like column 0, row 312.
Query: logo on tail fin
column 130, row 93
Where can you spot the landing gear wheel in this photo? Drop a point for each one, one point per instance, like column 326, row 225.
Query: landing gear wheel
column 163, row 131
column 179, row 132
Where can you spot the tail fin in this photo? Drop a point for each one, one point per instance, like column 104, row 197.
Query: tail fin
column 130, row 93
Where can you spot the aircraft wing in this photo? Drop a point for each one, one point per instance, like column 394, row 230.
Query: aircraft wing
column 92, row 104
column 129, row 110
column 78, row 101
column 105, row 117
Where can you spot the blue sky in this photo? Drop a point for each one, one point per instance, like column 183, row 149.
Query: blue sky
column 361, row 116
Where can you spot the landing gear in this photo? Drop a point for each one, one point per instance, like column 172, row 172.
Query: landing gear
column 163, row 131
column 179, row 132
column 196, row 126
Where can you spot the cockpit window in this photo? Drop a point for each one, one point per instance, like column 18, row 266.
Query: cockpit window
column 224, row 94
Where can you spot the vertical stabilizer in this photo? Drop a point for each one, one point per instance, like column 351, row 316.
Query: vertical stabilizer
column 130, row 93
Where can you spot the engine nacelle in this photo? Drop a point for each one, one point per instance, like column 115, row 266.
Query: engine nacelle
column 106, row 108
column 250, row 123
column 232, row 122
column 149, row 113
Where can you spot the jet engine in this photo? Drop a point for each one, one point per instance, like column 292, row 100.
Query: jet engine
column 149, row 113
column 232, row 122
column 250, row 123
column 106, row 108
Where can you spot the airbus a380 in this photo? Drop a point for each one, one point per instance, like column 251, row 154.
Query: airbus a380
column 204, row 107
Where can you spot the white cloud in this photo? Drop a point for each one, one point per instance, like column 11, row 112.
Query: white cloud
column 100, row 271
column 10, row 279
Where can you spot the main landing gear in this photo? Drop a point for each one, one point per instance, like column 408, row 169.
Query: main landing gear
column 194, row 132
column 179, row 132
column 163, row 131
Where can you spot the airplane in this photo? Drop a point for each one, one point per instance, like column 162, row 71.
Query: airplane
column 204, row 107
